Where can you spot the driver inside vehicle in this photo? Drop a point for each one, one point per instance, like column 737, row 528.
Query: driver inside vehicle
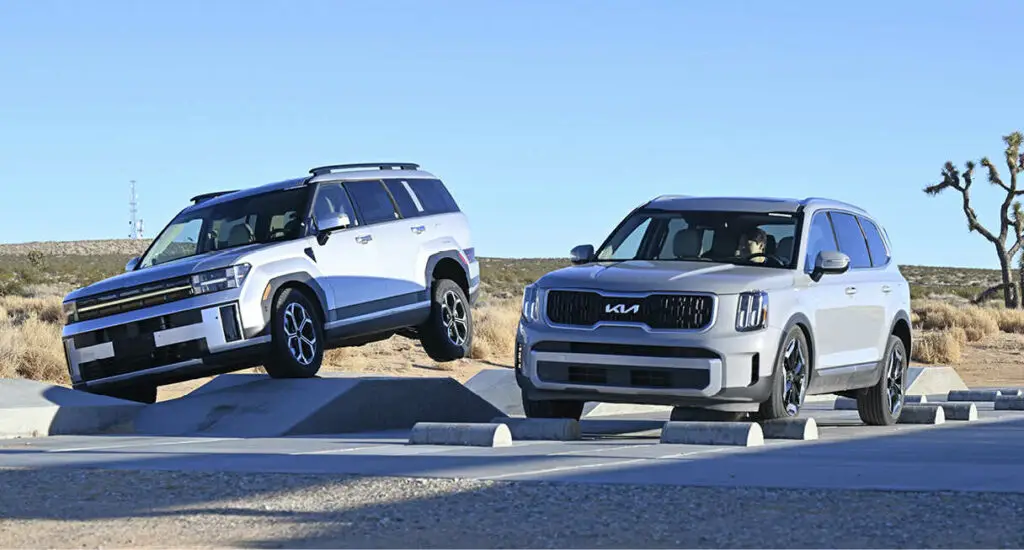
column 752, row 245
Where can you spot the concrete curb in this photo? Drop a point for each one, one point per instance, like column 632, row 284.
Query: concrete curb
column 972, row 395
column 556, row 429
column 803, row 429
column 961, row 411
column 1009, row 403
column 922, row 414
column 465, row 434
column 742, row 434
column 37, row 409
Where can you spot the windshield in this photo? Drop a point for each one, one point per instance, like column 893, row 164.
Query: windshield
column 260, row 218
column 748, row 238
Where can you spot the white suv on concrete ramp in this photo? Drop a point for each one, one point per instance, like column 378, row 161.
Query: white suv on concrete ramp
column 277, row 274
column 741, row 305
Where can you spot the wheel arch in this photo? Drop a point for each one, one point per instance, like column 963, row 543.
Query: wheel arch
column 303, row 282
column 901, row 328
column 447, row 264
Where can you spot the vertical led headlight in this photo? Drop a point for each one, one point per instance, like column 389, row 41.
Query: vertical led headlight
column 752, row 311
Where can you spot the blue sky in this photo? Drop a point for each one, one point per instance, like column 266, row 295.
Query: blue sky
column 548, row 120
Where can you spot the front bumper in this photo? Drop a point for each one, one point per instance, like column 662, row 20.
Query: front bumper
column 163, row 347
column 719, row 368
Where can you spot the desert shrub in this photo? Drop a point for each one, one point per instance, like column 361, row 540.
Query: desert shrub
column 494, row 333
column 977, row 322
column 939, row 347
column 30, row 345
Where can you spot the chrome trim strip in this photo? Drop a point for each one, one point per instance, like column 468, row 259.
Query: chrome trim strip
column 133, row 298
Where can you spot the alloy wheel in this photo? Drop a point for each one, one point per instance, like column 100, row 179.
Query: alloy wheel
column 794, row 365
column 454, row 317
column 300, row 333
column 895, row 374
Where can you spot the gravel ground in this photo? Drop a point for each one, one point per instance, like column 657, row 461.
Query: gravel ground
column 96, row 508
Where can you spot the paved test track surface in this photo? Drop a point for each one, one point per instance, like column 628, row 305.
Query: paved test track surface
column 983, row 455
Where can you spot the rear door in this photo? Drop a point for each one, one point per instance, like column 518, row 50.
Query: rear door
column 884, row 287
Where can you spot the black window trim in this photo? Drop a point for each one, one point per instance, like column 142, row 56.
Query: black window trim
column 881, row 237
column 355, row 204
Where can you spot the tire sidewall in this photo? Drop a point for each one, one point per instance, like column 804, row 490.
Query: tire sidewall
column 778, row 396
column 280, row 340
column 883, row 382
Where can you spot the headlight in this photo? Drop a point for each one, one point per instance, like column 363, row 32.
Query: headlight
column 219, row 279
column 70, row 311
column 531, row 303
column 752, row 311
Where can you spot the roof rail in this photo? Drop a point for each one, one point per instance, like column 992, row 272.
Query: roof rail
column 207, row 196
column 378, row 165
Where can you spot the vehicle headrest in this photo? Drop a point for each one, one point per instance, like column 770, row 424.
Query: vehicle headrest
column 686, row 243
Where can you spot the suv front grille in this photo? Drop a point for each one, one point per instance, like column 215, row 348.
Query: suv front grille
column 133, row 298
column 657, row 311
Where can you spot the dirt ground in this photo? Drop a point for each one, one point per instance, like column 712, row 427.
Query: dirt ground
column 995, row 361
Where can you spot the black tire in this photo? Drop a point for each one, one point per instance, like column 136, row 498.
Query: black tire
column 552, row 408
column 790, row 378
column 448, row 334
column 297, row 347
column 141, row 393
column 882, row 404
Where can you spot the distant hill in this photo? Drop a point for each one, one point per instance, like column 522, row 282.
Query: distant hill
column 78, row 248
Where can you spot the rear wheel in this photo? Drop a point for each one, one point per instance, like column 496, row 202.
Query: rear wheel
column 882, row 404
column 790, row 378
column 448, row 333
column 298, row 338
column 552, row 408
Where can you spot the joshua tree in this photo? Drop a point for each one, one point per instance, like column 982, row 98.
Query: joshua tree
column 1011, row 217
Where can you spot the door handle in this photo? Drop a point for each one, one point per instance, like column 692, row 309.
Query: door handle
column 363, row 239
column 418, row 229
column 886, row 288
column 851, row 290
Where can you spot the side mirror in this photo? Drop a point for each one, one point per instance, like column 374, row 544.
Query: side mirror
column 132, row 264
column 582, row 254
column 331, row 223
column 830, row 262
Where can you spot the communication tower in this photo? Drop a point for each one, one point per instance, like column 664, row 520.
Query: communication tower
column 133, row 212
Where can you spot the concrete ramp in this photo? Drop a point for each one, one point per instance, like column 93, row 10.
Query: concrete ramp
column 34, row 409
column 498, row 386
column 933, row 381
column 251, row 405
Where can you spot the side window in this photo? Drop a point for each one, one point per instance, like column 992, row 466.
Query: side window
column 851, row 240
column 372, row 200
column 819, row 239
column 331, row 199
column 876, row 245
column 433, row 196
column 408, row 203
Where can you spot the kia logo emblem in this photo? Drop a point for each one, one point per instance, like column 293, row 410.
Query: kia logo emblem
column 621, row 308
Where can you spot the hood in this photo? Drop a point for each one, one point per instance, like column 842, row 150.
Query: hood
column 169, row 270
column 655, row 276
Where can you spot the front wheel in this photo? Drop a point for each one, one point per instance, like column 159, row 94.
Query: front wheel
column 298, row 337
column 448, row 333
column 882, row 404
column 791, row 376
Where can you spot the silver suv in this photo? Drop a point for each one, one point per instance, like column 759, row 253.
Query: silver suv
column 275, row 275
column 737, row 305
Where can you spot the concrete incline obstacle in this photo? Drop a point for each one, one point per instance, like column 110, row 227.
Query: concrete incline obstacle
column 33, row 409
column 259, row 406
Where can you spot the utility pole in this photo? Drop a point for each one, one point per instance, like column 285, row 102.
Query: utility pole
column 133, row 211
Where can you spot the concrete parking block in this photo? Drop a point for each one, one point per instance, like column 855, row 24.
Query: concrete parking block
column 972, row 395
column 742, row 434
column 465, row 434
column 1010, row 392
column 958, row 411
column 922, row 414
column 557, row 429
column 803, row 429
column 847, row 404
column 1009, row 403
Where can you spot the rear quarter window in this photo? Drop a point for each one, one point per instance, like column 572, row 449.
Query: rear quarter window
column 433, row 196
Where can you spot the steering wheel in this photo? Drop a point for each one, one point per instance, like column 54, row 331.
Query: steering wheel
column 778, row 261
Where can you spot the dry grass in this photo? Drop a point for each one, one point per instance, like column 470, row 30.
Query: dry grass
column 977, row 322
column 940, row 347
column 494, row 333
column 30, row 345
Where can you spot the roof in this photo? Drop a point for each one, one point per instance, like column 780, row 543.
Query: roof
column 747, row 204
column 346, row 172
